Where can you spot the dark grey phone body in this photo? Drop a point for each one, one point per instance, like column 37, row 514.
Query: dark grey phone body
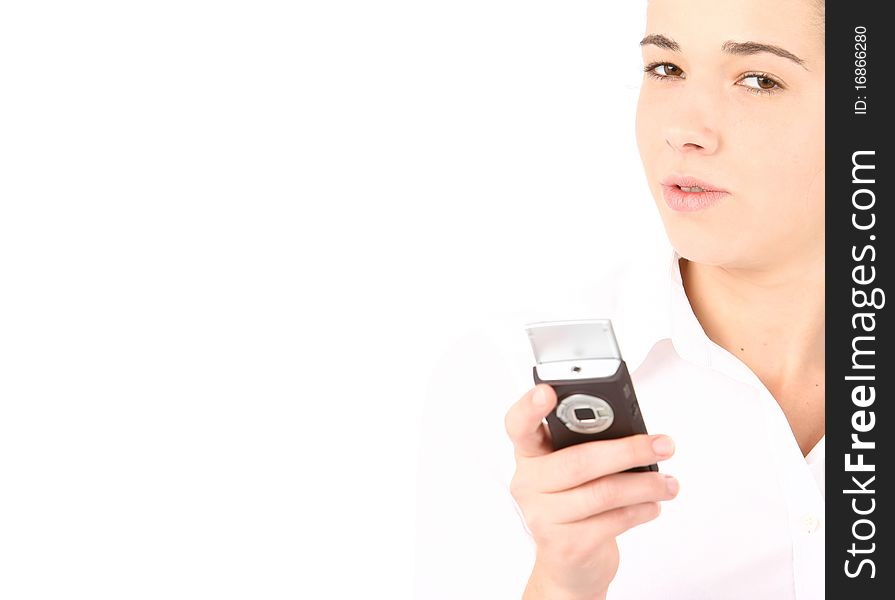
column 595, row 396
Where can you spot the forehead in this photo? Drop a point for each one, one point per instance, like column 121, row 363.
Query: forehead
column 701, row 26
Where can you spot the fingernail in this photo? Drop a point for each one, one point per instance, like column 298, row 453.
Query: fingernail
column 663, row 446
column 540, row 398
column 672, row 484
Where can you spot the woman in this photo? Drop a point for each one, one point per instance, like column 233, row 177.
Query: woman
column 724, row 339
column 733, row 102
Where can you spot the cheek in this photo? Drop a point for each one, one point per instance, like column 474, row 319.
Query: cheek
column 654, row 151
column 647, row 127
column 781, row 152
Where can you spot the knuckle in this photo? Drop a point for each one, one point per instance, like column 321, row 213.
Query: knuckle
column 603, row 494
column 632, row 450
column 629, row 515
column 574, row 464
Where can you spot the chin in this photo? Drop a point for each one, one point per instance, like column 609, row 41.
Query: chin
column 708, row 250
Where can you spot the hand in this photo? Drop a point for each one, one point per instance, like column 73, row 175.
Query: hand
column 576, row 500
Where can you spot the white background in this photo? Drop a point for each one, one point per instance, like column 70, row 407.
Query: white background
column 234, row 236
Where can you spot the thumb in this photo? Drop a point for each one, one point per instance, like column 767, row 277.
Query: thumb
column 524, row 421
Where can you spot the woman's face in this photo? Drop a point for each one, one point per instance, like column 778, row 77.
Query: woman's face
column 750, row 123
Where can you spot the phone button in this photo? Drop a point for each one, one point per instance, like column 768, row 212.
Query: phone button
column 584, row 413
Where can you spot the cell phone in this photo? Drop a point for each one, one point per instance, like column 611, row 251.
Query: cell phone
column 595, row 396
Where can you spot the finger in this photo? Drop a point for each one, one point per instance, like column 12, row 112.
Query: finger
column 572, row 466
column 612, row 523
column 524, row 421
column 608, row 493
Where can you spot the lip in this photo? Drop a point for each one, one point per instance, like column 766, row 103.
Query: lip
column 682, row 201
column 688, row 181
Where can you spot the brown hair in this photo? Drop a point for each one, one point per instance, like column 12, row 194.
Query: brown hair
column 820, row 17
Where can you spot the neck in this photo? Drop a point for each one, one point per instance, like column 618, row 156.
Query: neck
column 771, row 316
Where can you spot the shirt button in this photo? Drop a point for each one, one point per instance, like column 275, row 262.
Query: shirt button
column 810, row 523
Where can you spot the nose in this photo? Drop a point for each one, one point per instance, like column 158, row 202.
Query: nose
column 691, row 123
column 691, row 138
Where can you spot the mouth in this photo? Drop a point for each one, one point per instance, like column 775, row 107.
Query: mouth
column 683, row 193
column 691, row 185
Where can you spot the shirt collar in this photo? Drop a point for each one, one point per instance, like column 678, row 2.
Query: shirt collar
column 689, row 338
column 653, row 306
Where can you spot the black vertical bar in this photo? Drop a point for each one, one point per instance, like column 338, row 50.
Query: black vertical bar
column 860, row 367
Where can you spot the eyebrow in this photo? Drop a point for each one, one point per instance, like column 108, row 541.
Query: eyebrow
column 737, row 48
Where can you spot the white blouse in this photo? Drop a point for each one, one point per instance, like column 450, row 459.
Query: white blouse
column 748, row 520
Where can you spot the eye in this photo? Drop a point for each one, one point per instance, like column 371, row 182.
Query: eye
column 766, row 85
column 670, row 70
